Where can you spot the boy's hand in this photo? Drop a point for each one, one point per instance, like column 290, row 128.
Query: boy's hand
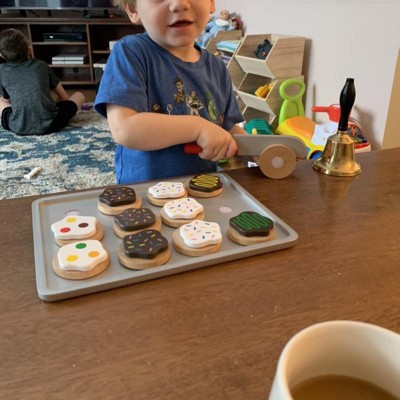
column 216, row 143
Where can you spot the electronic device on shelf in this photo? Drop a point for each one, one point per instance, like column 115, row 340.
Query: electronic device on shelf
column 57, row 4
column 64, row 37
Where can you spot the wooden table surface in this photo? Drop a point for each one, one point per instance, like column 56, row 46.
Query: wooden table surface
column 216, row 332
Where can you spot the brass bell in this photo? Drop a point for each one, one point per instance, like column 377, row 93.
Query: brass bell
column 338, row 157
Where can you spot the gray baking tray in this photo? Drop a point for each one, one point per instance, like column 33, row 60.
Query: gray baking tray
column 233, row 200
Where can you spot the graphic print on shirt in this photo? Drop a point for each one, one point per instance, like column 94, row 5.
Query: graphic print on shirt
column 194, row 103
column 212, row 110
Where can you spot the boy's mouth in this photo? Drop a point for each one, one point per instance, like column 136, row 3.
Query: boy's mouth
column 180, row 23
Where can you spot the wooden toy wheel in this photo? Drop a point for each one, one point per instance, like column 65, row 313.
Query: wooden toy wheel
column 277, row 161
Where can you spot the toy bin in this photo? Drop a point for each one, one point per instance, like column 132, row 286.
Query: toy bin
column 272, row 103
column 284, row 59
column 236, row 72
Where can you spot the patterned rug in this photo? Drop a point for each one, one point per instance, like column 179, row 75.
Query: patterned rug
column 78, row 157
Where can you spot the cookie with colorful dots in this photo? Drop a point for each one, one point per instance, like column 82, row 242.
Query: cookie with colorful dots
column 81, row 260
column 205, row 185
column 163, row 192
column 197, row 238
column 77, row 227
column 145, row 249
column 181, row 211
column 250, row 227
column 113, row 201
column 134, row 220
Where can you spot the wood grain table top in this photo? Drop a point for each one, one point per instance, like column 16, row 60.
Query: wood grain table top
column 216, row 332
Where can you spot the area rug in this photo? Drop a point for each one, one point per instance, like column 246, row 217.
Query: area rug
column 78, row 157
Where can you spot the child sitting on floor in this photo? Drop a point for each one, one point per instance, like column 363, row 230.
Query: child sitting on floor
column 26, row 83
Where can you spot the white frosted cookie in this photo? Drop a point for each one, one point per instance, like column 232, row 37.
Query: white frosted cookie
column 163, row 192
column 250, row 227
column 81, row 260
column 77, row 227
column 178, row 212
column 205, row 185
column 115, row 200
column 197, row 238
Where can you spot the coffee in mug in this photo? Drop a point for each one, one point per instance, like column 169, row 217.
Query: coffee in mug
column 335, row 387
column 338, row 356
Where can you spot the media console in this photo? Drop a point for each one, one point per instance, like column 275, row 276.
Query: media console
column 51, row 37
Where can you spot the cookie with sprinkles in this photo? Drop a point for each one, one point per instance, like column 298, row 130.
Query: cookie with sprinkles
column 81, row 260
column 250, row 227
column 145, row 249
column 134, row 220
column 77, row 227
column 178, row 212
column 114, row 200
column 163, row 192
column 197, row 238
column 205, row 185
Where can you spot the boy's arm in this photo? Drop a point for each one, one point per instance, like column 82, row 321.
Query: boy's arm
column 152, row 131
column 62, row 94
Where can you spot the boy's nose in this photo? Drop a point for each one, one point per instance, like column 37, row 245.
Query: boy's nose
column 178, row 5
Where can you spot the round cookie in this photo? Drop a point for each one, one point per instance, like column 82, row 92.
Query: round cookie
column 134, row 220
column 145, row 249
column 178, row 212
column 75, row 228
column 250, row 227
column 81, row 260
column 163, row 192
column 205, row 185
column 197, row 238
column 115, row 200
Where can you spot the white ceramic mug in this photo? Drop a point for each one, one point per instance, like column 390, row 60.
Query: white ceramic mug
column 347, row 348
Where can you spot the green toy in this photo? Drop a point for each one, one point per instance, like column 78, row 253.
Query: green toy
column 292, row 105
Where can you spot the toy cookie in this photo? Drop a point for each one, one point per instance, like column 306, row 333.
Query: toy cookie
column 249, row 227
column 115, row 200
column 81, row 260
column 205, row 186
column 134, row 220
column 197, row 238
column 77, row 227
column 163, row 192
column 145, row 249
column 181, row 211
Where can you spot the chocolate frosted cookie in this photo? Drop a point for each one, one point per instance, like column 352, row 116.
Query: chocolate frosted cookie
column 114, row 200
column 135, row 220
column 145, row 249
column 205, row 185
column 250, row 227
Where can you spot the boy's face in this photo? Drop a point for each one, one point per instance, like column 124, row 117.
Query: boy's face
column 173, row 24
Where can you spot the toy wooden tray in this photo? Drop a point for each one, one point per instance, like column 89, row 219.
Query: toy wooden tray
column 233, row 200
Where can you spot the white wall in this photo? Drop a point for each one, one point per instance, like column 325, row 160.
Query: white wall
column 355, row 38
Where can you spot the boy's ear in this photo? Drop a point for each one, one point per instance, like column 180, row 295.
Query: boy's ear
column 212, row 7
column 132, row 14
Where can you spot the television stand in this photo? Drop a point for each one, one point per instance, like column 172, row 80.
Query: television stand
column 90, row 14
column 92, row 46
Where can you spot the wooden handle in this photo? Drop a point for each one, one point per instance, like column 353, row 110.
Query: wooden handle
column 192, row 148
column 347, row 98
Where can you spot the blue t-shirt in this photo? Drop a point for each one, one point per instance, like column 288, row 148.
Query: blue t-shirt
column 141, row 75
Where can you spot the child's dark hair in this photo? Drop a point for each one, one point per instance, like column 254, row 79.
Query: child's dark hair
column 14, row 46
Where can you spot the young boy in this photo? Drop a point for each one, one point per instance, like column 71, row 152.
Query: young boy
column 160, row 91
column 26, row 105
